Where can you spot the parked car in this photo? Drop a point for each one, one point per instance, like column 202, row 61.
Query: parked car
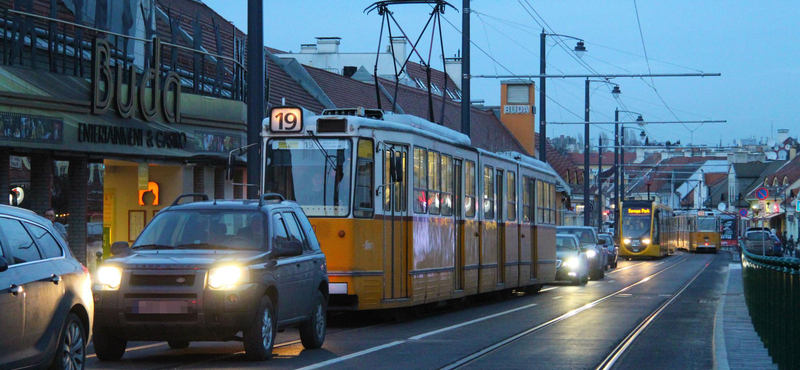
column 207, row 270
column 762, row 242
column 598, row 256
column 571, row 262
column 46, row 307
column 610, row 244
column 777, row 246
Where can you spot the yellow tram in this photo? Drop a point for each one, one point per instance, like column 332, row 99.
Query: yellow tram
column 408, row 212
column 647, row 230
column 701, row 230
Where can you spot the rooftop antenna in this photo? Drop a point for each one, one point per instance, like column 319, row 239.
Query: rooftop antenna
column 382, row 7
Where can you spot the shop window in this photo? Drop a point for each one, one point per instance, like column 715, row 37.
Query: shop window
column 511, row 182
column 420, row 180
column 447, row 186
column 470, row 189
column 488, row 193
column 363, row 206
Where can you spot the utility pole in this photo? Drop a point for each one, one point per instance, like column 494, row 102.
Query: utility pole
column 586, row 152
column 600, row 183
column 617, row 211
column 255, row 93
column 465, row 93
column 542, row 98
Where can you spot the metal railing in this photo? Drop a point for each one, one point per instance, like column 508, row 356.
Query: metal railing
column 772, row 294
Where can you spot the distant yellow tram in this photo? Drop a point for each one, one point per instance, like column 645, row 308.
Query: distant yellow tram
column 408, row 212
column 701, row 230
column 647, row 230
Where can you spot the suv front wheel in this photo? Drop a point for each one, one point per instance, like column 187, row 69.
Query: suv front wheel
column 312, row 332
column 108, row 347
column 259, row 338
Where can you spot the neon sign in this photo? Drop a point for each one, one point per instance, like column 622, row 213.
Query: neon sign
column 638, row 211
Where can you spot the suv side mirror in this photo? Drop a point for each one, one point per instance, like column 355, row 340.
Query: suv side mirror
column 289, row 249
column 3, row 264
column 119, row 248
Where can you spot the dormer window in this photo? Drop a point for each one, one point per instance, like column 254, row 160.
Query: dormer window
column 435, row 88
column 420, row 84
column 450, row 94
column 775, row 181
column 785, row 181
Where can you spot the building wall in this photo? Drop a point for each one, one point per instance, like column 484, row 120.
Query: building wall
column 521, row 125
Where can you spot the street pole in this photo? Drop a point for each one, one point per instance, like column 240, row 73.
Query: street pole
column 542, row 99
column 255, row 92
column 586, row 219
column 617, row 211
column 600, row 183
column 465, row 93
column 622, row 164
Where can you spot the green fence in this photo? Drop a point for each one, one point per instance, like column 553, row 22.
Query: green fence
column 772, row 293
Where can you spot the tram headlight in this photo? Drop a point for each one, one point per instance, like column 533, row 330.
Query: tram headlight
column 572, row 263
column 627, row 241
column 591, row 253
column 646, row 241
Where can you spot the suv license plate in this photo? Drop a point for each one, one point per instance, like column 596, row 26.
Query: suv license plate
column 160, row 307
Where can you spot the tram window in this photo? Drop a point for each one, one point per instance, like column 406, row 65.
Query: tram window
column 553, row 203
column 511, row 181
column 398, row 188
column 539, row 202
column 420, row 180
column 469, row 185
column 434, row 186
column 657, row 228
column 447, row 186
column 488, row 193
column 527, row 199
column 363, row 206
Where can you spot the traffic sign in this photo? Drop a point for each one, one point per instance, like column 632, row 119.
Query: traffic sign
column 797, row 205
column 762, row 193
column 743, row 212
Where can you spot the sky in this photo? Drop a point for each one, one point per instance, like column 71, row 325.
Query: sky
column 753, row 44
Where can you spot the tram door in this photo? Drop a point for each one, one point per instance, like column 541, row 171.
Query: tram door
column 459, row 227
column 395, row 224
column 501, row 227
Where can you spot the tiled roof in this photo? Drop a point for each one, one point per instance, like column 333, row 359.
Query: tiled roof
column 608, row 158
column 416, row 70
column 283, row 86
column 790, row 171
column 563, row 166
column 770, row 169
column 346, row 92
column 664, row 176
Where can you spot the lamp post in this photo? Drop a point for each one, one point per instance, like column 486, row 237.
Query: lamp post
column 580, row 48
column 587, row 151
column 617, row 162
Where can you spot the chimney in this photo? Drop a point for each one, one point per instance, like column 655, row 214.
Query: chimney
column 308, row 48
column 328, row 45
column 454, row 69
column 399, row 43
column 783, row 134
column 517, row 111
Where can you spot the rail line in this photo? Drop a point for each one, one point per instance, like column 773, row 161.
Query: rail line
column 503, row 343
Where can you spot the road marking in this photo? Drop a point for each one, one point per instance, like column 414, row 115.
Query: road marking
column 547, row 289
column 135, row 348
column 611, row 281
column 442, row 330
column 658, row 263
column 625, row 268
column 352, row 355
column 559, row 297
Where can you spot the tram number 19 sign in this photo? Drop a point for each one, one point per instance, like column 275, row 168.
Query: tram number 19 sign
column 286, row 119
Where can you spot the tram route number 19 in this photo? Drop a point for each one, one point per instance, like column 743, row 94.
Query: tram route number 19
column 286, row 119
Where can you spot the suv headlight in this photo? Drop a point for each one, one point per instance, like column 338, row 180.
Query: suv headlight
column 591, row 253
column 627, row 241
column 646, row 241
column 109, row 276
column 222, row 277
column 572, row 263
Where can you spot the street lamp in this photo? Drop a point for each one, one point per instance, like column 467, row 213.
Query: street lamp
column 587, row 151
column 617, row 162
column 579, row 50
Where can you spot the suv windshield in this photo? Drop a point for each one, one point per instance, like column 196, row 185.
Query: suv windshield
column 757, row 236
column 205, row 229
column 586, row 236
column 313, row 172
column 565, row 243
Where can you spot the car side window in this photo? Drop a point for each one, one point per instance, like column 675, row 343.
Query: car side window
column 311, row 237
column 278, row 226
column 21, row 244
column 294, row 229
column 49, row 246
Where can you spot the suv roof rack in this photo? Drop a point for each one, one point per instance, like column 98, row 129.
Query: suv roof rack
column 193, row 195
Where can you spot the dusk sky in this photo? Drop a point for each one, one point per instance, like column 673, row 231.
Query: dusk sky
column 753, row 44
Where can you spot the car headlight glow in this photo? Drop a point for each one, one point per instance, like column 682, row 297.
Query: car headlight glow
column 627, row 241
column 109, row 276
column 572, row 263
column 591, row 253
column 222, row 277
column 646, row 241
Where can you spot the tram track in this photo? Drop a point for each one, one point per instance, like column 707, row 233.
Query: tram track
column 618, row 351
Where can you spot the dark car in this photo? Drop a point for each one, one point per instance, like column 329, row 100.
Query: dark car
column 207, row 270
column 598, row 256
column 762, row 243
column 571, row 261
column 608, row 242
column 46, row 304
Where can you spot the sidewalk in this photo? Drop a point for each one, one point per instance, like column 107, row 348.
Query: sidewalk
column 737, row 344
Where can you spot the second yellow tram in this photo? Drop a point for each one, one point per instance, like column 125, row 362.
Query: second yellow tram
column 647, row 230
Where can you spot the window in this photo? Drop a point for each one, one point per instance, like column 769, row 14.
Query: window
column 447, row 186
column 363, row 206
column 311, row 237
column 450, row 94
column 420, row 84
column 294, row 228
column 281, row 236
column 527, row 199
column 553, row 204
column 518, row 94
column 470, row 189
column 775, row 181
column 49, row 246
column 539, row 201
column 545, row 202
column 435, row 88
column 196, row 228
column 488, row 193
column 22, row 246
column 420, row 180
column 396, row 188
column 458, row 93
column 511, row 190
column 785, row 181
column 434, row 186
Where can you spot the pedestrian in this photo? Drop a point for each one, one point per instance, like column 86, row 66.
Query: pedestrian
column 50, row 214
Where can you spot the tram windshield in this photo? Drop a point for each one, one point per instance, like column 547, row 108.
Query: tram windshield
column 636, row 222
column 706, row 224
column 313, row 172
